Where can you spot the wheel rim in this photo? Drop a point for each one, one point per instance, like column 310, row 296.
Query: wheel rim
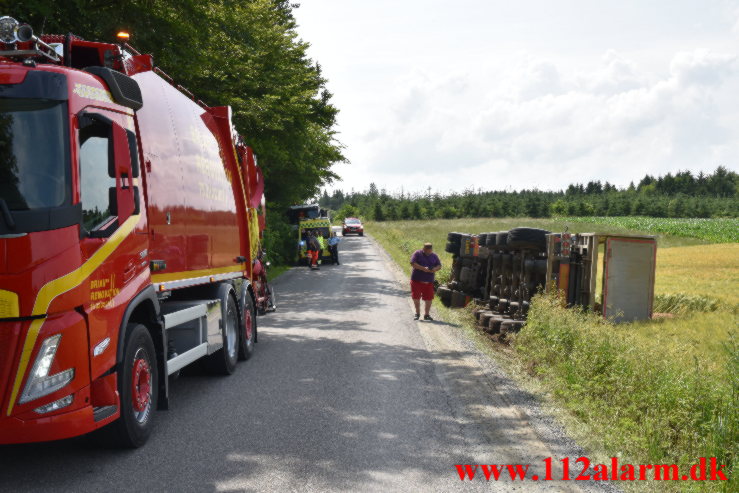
column 248, row 325
column 141, row 386
column 231, row 333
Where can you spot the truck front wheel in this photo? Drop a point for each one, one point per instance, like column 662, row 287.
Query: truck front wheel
column 138, row 389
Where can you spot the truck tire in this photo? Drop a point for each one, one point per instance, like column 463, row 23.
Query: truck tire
column 530, row 238
column 248, row 329
column 513, row 307
column 525, row 307
column 459, row 299
column 138, row 386
column 502, row 305
column 511, row 326
column 493, row 303
column 485, row 318
column 452, row 248
column 494, row 325
column 361, row 234
column 223, row 361
column 445, row 295
column 501, row 238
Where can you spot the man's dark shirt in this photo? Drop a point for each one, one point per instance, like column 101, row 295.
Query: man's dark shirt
column 430, row 261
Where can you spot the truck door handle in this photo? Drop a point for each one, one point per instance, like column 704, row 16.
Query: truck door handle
column 129, row 271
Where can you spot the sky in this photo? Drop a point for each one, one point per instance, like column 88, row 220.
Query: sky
column 504, row 95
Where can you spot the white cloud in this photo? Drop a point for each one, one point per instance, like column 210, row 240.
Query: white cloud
column 540, row 125
column 533, row 93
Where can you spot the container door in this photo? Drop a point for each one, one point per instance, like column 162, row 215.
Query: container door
column 628, row 283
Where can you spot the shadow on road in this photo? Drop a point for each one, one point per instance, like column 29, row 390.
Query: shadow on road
column 293, row 415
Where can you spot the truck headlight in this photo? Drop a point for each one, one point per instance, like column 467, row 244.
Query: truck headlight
column 40, row 383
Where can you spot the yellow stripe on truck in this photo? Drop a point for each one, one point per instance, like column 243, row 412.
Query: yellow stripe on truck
column 61, row 285
column 191, row 274
column 8, row 304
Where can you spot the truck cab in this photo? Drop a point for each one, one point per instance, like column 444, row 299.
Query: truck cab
column 117, row 266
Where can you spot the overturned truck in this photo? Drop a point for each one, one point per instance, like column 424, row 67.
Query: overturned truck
column 501, row 271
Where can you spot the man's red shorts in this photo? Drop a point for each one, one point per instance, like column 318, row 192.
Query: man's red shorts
column 423, row 290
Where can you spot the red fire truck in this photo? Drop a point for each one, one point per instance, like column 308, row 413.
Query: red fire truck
column 129, row 218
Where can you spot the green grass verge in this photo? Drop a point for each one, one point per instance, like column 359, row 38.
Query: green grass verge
column 275, row 271
column 645, row 404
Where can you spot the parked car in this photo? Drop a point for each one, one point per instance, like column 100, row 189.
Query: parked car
column 352, row 225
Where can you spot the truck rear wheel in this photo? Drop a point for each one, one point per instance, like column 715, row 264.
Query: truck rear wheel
column 223, row 361
column 248, row 332
column 138, row 390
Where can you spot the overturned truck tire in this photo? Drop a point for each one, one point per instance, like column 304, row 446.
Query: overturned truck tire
column 445, row 295
column 458, row 300
column 511, row 326
column 452, row 248
column 494, row 324
column 528, row 238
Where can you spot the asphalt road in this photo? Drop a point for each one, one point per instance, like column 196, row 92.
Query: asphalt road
column 345, row 392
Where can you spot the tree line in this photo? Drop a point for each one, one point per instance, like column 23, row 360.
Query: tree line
column 680, row 195
column 245, row 54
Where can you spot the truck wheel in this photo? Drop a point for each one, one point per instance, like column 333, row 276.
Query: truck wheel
column 361, row 234
column 138, row 390
column 223, row 361
column 493, row 303
column 494, row 324
column 529, row 238
column 248, row 332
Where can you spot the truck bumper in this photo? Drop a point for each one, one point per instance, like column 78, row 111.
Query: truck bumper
column 78, row 420
column 41, row 429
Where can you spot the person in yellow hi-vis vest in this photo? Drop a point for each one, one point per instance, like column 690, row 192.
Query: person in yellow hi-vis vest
column 322, row 243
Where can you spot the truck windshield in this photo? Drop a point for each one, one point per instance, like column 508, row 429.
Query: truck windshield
column 34, row 170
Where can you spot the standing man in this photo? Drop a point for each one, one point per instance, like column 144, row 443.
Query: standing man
column 333, row 247
column 425, row 264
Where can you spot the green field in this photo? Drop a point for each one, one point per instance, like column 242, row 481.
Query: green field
column 709, row 230
column 660, row 391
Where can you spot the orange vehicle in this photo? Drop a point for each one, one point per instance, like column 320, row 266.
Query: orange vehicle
column 129, row 219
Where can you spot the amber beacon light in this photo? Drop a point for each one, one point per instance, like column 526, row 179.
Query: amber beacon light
column 123, row 36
